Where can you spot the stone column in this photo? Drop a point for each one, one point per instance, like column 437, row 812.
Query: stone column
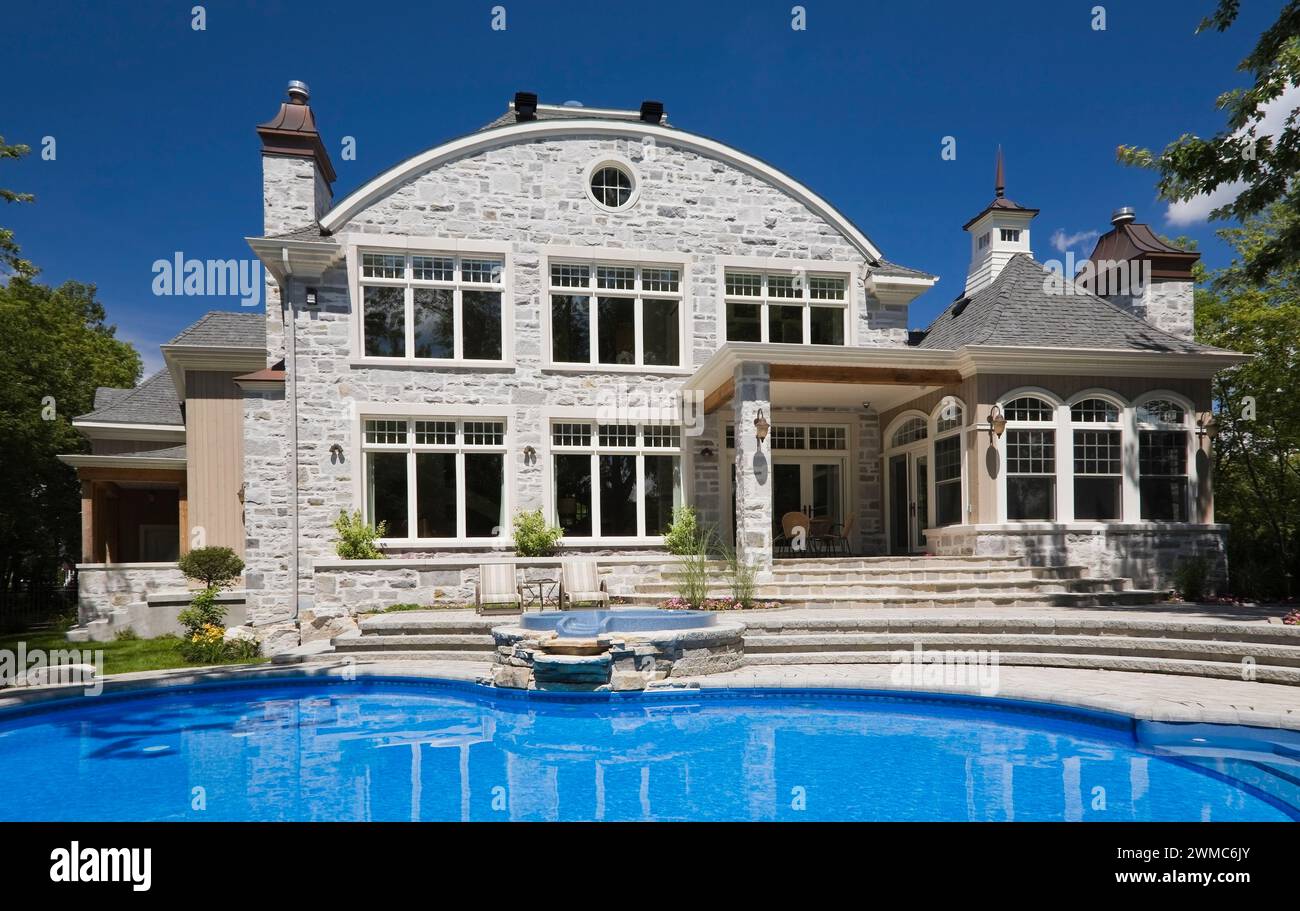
column 753, row 467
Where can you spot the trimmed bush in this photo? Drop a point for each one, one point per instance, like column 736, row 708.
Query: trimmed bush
column 1190, row 578
column 357, row 537
column 683, row 535
column 534, row 537
column 215, row 567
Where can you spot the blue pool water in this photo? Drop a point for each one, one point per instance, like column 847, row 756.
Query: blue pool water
column 376, row 749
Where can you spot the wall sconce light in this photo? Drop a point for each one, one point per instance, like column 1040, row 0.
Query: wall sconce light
column 530, row 454
column 336, row 453
column 760, row 427
column 242, row 489
column 707, row 452
column 1207, row 426
column 997, row 423
column 309, row 300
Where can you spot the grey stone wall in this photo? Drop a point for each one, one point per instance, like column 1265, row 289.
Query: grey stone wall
column 101, row 588
column 268, row 543
column 1147, row 554
column 1167, row 305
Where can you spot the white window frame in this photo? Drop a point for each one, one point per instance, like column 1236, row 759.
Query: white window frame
column 550, row 417
column 637, row 260
column 1063, row 454
column 458, row 414
column 765, row 301
column 935, row 436
column 1128, row 479
column 622, row 164
column 1188, row 429
column 408, row 247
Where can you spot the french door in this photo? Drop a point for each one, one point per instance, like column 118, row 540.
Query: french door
column 909, row 504
column 812, row 486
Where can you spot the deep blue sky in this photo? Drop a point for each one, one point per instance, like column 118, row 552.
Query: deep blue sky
column 156, row 151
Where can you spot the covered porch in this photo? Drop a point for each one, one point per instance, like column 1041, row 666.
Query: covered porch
column 801, row 434
column 134, row 508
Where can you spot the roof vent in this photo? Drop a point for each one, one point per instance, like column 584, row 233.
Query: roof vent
column 652, row 111
column 1123, row 216
column 298, row 92
column 525, row 106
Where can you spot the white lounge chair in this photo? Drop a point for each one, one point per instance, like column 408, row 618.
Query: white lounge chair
column 580, row 582
column 497, row 590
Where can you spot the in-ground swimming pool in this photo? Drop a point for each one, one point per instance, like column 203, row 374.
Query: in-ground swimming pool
column 384, row 749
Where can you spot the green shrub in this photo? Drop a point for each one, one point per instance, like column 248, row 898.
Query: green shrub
column 742, row 576
column 682, row 536
column 1190, row 578
column 126, row 635
column 215, row 567
column 203, row 611
column 693, row 576
column 534, row 537
column 208, row 645
column 357, row 537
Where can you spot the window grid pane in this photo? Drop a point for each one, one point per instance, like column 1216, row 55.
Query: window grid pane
column 386, row 432
column 570, row 275
column 911, row 431
column 662, row 436
column 435, row 433
column 433, row 268
column 788, row 436
column 744, row 284
column 782, row 286
column 730, row 436
column 571, row 435
column 661, row 280
column 947, row 460
column 619, row 278
column 481, row 271
column 827, row 438
column 621, row 435
column 1031, row 452
column 950, row 418
column 1161, row 411
column 1028, row 408
column 485, row 433
column 1094, row 411
column 1162, row 453
column 383, row 265
column 1097, row 452
column 826, row 288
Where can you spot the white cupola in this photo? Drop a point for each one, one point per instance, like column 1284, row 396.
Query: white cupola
column 996, row 234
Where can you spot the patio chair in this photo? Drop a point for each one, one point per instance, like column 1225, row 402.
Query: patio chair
column 790, row 522
column 497, row 590
column 580, row 582
column 840, row 536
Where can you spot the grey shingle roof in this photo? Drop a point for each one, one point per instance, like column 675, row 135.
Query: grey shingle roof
column 226, row 329
column 306, row 232
column 887, row 268
column 152, row 402
column 168, row 452
column 106, row 395
column 1017, row 308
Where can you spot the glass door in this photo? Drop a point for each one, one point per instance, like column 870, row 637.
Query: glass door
column 909, row 502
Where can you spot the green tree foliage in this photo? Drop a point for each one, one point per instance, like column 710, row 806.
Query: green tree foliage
column 1257, row 454
column 215, row 567
column 357, row 537
column 10, row 259
column 55, row 348
column 1265, row 166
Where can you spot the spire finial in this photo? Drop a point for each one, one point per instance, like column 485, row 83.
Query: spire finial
column 999, row 178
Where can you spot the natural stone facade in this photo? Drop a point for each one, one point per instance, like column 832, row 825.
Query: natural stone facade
column 1167, row 305
column 104, row 587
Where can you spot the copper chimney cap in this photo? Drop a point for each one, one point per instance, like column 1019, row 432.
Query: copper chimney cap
column 1122, row 216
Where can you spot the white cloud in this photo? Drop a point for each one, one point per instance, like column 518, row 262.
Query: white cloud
column 1064, row 242
column 1272, row 119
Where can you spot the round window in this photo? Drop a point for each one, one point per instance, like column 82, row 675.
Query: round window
column 611, row 186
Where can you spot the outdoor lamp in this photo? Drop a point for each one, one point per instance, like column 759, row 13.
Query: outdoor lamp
column 997, row 422
column 760, row 427
column 1206, row 425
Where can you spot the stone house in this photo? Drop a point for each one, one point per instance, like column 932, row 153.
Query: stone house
column 597, row 314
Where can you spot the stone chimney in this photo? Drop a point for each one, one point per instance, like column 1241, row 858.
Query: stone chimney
column 1136, row 270
column 297, row 174
column 997, row 233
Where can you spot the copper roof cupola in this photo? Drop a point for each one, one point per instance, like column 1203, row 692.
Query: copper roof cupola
column 1131, row 254
column 292, row 132
column 998, row 232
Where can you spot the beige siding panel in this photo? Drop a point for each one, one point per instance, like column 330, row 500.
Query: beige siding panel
column 214, row 438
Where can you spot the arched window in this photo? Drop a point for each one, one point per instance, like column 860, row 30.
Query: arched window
column 947, row 463
column 1162, row 460
column 1098, row 460
column 1031, row 459
column 910, row 431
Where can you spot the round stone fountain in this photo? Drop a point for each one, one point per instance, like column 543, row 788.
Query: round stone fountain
column 601, row 650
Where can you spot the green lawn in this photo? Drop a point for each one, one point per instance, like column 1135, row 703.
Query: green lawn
column 120, row 657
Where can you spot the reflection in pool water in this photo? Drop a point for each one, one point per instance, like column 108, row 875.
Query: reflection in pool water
column 407, row 750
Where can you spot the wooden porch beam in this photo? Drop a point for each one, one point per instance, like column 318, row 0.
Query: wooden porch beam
column 880, row 376
column 720, row 396
column 160, row 475
column 87, row 521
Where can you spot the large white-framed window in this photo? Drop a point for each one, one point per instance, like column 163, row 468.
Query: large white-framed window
column 1097, row 437
column 949, row 420
column 614, row 481
column 794, row 307
column 431, row 307
column 1029, row 444
column 616, row 315
column 1164, row 459
column 436, row 478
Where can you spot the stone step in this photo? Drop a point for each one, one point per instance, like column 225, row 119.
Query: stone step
column 832, row 564
column 415, row 642
column 1221, row 669
column 980, row 600
column 758, row 628
column 425, row 655
column 381, row 625
column 939, row 574
column 1136, row 646
column 867, row 590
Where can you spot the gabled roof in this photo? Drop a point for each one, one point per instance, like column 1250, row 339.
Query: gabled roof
column 152, row 402
column 225, row 329
column 1023, row 307
column 106, row 395
column 885, row 267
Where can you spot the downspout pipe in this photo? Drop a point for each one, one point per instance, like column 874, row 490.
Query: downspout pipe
column 291, row 355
